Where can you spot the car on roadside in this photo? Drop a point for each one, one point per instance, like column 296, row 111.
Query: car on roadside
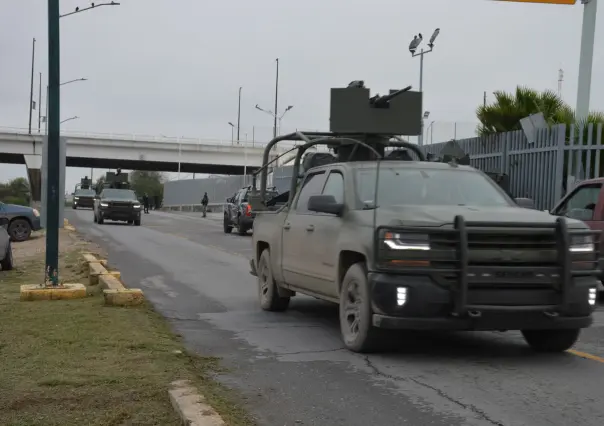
column 6, row 251
column 83, row 198
column 22, row 221
column 238, row 212
column 117, row 205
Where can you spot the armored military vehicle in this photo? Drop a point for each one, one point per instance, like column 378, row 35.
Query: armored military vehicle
column 399, row 242
column 83, row 196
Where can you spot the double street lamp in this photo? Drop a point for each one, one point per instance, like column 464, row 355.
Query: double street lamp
column 417, row 40
column 46, row 116
column 75, row 117
column 275, row 116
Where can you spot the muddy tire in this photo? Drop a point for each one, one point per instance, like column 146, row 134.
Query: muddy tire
column 7, row 263
column 268, row 293
column 226, row 226
column 551, row 340
column 19, row 230
column 356, row 327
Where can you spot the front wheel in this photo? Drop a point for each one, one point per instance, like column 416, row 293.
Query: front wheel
column 137, row 222
column 270, row 300
column 7, row 263
column 225, row 224
column 19, row 230
column 100, row 219
column 358, row 332
column 551, row 340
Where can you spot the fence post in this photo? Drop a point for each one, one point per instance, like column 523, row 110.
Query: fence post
column 560, row 135
column 505, row 160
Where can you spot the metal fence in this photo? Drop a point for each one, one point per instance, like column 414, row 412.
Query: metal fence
column 543, row 170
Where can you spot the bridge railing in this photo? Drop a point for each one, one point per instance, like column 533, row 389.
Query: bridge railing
column 183, row 140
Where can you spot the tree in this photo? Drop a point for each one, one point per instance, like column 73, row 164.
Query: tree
column 15, row 191
column 148, row 182
column 505, row 113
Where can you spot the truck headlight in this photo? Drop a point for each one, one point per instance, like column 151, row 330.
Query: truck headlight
column 395, row 241
column 76, row 198
column 136, row 206
column 582, row 244
column 104, row 205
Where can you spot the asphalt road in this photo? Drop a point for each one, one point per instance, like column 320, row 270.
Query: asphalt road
column 291, row 367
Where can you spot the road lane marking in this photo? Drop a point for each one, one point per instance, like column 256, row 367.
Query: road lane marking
column 586, row 355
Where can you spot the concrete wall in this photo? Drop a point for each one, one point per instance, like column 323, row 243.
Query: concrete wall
column 190, row 191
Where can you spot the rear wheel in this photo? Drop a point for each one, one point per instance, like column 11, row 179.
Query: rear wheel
column 7, row 263
column 268, row 293
column 227, row 227
column 19, row 230
column 358, row 332
column 551, row 340
column 241, row 229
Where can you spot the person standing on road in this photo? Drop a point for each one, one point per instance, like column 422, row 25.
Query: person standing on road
column 204, row 204
column 146, row 203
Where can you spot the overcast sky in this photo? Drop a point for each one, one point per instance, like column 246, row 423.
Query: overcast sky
column 174, row 67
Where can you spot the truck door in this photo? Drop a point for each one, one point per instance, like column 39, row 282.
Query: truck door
column 325, row 238
column 585, row 202
column 297, row 261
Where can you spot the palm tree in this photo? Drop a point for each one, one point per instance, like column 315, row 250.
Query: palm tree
column 505, row 113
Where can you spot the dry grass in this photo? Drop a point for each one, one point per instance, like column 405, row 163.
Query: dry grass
column 77, row 362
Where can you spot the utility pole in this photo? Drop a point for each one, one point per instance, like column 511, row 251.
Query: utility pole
column 276, row 100
column 31, row 90
column 40, row 103
column 588, row 32
column 54, row 144
column 239, row 116
column 484, row 101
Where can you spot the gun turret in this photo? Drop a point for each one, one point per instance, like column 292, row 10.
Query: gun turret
column 384, row 101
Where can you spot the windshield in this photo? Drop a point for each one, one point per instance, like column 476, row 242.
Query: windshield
column 433, row 187
column 85, row 193
column 121, row 194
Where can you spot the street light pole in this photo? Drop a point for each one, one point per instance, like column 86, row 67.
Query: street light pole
column 413, row 48
column 31, row 90
column 40, row 103
column 239, row 116
column 62, row 84
column 588, row 31
column 53, row 141
column 276, row 99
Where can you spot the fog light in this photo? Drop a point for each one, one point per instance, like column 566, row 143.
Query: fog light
column 593, row 294
column 401, row 296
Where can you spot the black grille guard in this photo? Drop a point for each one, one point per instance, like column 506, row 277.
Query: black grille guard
column 563, row 267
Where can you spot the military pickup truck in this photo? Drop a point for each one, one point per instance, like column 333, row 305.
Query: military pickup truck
column 426, row 246
column 118, row 205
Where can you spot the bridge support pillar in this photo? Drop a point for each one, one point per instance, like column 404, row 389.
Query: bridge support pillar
column 33, row 162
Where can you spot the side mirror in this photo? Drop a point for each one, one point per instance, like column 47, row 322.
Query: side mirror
column 4, row 222
column 525, row 203
column 325, row 204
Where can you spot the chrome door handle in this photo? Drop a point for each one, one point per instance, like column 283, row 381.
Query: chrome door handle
column 310, row 228
column 287, row 226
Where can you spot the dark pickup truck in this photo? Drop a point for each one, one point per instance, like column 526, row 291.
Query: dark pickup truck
column 439, row 247
column 83, row 198
column 117, row 204
column 238, row 212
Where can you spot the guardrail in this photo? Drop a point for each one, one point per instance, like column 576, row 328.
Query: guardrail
column 212, row 208
column 148, row 138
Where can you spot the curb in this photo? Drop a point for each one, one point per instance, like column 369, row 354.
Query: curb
column 190, row 405
column 114, row 291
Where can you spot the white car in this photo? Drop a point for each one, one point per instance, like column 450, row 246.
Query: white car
column 6, row 252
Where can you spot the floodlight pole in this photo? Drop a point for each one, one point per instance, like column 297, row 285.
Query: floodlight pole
column 586, row 58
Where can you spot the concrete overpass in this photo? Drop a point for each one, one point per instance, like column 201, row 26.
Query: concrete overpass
column 132, row 152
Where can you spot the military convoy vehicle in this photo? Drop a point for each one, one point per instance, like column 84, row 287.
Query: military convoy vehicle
column 399, row 242
column 84, row 194
column 116, row 201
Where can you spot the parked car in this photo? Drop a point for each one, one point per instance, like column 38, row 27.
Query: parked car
column 22, row 221
column 586, row 202
column 6, row 251
column 238, row 213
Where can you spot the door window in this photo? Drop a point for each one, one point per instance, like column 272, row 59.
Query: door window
column 335, row 187
column 582, row 203
column 312, row 186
